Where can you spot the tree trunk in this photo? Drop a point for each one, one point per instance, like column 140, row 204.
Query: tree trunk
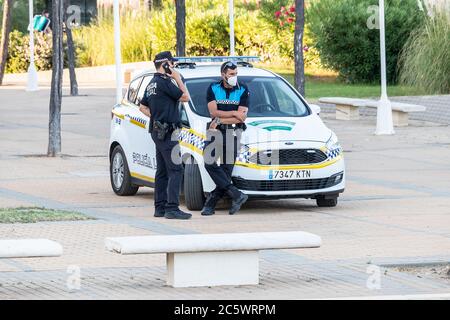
column 54, row 126
column 70, row 54
column 6, row 29
column 181, row 27
column 154, row 4
column 298, row 46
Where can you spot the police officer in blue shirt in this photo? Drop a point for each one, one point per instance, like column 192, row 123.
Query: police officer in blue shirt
column 160, row 103
column 228, row 105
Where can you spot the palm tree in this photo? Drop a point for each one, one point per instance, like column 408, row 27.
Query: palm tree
column 54, row 126
column 298, row 46
column 6, row 29
column 180, row 6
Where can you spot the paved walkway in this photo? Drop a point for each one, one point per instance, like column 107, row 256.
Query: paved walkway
column 395, row 210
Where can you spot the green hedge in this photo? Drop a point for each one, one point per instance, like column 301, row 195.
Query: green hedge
column 19, row 54
column 346, row 44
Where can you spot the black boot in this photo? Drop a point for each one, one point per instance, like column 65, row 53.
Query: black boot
column 159, row 213
column 178, row 214
column 211, row 202
column 238, row 199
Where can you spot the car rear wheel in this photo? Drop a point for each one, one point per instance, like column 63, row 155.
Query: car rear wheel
column 193, row 187
column 326, row 202
column 120, row 174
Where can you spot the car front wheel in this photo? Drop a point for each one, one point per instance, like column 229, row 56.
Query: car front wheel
column 120, row 174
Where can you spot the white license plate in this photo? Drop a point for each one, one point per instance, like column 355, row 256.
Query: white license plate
column 289, row 174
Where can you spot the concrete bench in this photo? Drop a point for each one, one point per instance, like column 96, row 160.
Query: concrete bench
column 28, row 248
column 212, row 259
column 348, row 109
column 345, row 107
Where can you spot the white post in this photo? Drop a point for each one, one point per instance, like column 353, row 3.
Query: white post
column 231, row 8
column 118, row 55
column 32, row 84
column 384, row 110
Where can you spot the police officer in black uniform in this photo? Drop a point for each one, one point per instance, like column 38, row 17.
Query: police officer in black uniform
column 160, row 103
column 228, row 105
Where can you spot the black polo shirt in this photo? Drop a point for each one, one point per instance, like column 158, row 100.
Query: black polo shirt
column 161, row 97
column 228, row 99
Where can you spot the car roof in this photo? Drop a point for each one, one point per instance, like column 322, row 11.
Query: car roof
column 208, row 70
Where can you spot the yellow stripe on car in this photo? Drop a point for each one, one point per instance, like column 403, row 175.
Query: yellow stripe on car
column 142, row 177
column 118, row 115
column 133, row 121
column 137, row 123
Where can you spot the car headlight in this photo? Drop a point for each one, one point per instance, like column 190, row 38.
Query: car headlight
column 333, row 142
column 333, row 146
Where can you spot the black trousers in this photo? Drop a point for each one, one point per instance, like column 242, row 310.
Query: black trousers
column 226, row 150
column 169, row 173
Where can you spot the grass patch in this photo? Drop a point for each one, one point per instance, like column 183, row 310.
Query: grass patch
column 35, row 214
column 326, row 84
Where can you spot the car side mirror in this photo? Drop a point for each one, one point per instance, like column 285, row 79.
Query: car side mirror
column 315, row 108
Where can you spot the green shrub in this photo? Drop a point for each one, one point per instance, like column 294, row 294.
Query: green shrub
column 141, row 35
column 425, row 59
column 19, row 54
column 207, row 33
column 279, row 39
column 346, row 44
column 17, row 60
column 95, row 42
column 144, row 34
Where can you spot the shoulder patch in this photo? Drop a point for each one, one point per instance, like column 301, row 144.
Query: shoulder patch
column 151, row 88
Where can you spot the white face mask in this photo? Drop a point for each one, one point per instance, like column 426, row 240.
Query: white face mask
column 232, row 81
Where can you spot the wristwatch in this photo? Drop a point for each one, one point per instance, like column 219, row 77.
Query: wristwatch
column 218, row 120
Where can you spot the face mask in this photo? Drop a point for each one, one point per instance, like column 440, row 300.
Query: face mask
column 232, row 81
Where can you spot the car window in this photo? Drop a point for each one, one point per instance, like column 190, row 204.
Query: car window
column 183, row 115
column 133, row 90
column 269, row 97
column 142, row 88
column 284, row 99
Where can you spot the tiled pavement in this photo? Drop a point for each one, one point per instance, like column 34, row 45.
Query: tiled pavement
column 395, row 210
column 283, row 276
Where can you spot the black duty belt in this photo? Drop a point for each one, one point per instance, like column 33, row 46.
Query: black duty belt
column 241, row 126
column 170, row 126
column 162, row 129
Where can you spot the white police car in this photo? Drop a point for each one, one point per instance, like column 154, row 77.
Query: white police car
column 287, row 151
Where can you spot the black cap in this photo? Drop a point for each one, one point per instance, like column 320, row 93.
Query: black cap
column 164, row 56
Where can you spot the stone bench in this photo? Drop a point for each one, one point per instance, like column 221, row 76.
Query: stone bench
column 348, row 109
column 212, row 259
column 29, row 248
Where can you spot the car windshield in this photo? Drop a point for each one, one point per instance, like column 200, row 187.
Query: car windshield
column 269, row 97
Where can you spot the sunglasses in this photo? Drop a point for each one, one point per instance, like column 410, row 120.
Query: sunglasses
column 229, row 65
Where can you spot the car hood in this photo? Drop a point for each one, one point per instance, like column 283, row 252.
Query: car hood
column 310, row 128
